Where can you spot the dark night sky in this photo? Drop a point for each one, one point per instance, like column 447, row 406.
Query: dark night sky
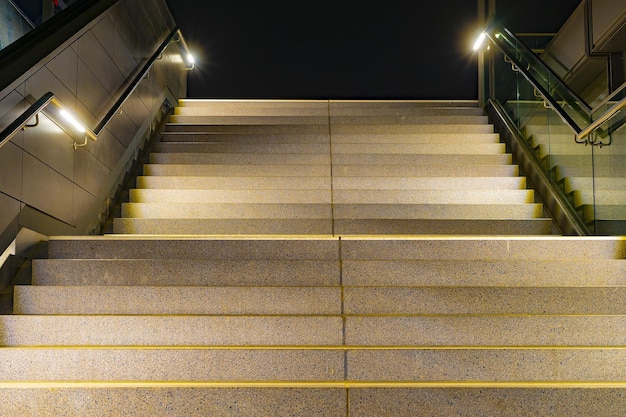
column 344, row 48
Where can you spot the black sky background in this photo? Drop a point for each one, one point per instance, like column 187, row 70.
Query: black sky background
column 397, row 49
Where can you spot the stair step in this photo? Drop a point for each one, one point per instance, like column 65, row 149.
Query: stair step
column 443, row 226
column 240, row 120
column 321, row 128
column 494, row 248
column 231, row 196
column 234, row 183
column 458, row 171
column 320, row 300
column 97, row 400
column 436, row 196
column 417, row 160
column 177, row 300
column 392, row 120
column 241, row 159
column 436, row 211
column 183, row 270
column 223, row 248
column 420, row 149
column 430, row 128
column 484, row 300
column 223, row 226
column 410, row 110
column 510, row 331
column 558, row 365
column 290, row 331
column 408, row 138
column 498, row 273
column 163, row 332
column 519, row 365
column 172, row 364
column 275, row 400
column 235, row 211
column 302, row 138
column 238, row 148
column 474, row 400
column 430, row 183
column 236, row 170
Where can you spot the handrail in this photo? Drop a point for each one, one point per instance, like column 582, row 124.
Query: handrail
column 48, row 98
column 545, row 94
column 19, row 123
column 132, row 85
column 602, row 119
column 495, row 33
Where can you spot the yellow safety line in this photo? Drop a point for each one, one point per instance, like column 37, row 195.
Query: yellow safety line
column 309, row 384
column 309, row 347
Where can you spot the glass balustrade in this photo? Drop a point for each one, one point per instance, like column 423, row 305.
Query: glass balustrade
column 592, row 174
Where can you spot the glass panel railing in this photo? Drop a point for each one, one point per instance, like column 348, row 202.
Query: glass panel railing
column 605, row 205
column 585, row 161
column 543, row 81
column 551, row 140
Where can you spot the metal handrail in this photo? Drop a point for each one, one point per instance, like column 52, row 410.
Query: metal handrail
column 538, row 87
column 49, row 97
column 19, row 123
column 601, row 120
column 138, row 77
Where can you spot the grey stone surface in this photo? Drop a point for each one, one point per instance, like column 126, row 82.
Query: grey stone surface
column 555, row 248
column 239, row 158
column 416, row 138
column 265, row 148
column 488, row 365
column 181, row 247
column 231, row 196
column 170, row 364
column 200, row 137
column 419, row 148
column 163, row 331
column 496, row 402
column 487, row 330
column 223, row 226
column 191, row 170
column 174, row 401
column 235, row 211
column 177, row 300
column 541, row 226
column 185, row 272
column 234, row 183
column 484, row 300
column 437, row 211
column 484, row 273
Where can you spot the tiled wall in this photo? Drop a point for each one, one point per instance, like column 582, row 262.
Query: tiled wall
column 41, row 175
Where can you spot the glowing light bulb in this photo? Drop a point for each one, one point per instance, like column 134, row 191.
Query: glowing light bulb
column 479, row 41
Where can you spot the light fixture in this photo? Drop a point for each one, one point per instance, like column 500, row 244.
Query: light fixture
column 479, row 41
column 72, row 120
column 190, row 59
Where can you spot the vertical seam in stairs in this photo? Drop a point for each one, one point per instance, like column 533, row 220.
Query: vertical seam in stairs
column 330, row 149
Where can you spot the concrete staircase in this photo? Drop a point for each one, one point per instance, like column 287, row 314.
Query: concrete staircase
column 271, row 263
